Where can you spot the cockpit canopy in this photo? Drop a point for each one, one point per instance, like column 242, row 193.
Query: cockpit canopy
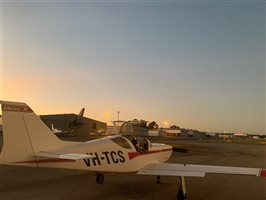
column 141, row 144
column 121, row 142
column 128, row 135
column 134, row 127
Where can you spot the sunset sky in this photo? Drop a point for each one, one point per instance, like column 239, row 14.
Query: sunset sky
column 195, row 64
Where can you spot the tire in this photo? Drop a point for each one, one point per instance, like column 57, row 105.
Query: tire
column 99, row 178
column 180, row 195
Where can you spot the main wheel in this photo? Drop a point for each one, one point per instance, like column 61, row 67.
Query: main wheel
column 99, row 178
column 180, row 195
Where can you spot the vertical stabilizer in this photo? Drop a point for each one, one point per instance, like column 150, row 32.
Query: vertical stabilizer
column 77, row 122
column 24, row 134
column 81, row 113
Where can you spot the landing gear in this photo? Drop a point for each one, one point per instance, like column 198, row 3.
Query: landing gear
column 181, row 190
column 158, row 179
column 99, row 177
column 180, row 194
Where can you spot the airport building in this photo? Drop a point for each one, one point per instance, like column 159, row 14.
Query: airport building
column 169, row 132
column 72, row 123
column 154, row 132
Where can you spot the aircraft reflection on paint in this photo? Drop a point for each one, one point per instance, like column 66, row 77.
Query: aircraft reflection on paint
column 29, row 142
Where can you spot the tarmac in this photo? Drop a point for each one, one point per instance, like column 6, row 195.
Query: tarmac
column 55, row 184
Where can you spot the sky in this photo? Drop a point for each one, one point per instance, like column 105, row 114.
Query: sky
column 194, row 64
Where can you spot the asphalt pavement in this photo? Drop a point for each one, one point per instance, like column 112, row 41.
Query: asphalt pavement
column 55, row 184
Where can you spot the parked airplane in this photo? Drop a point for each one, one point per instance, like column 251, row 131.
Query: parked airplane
column 56, row 130
column 77, row 122
column 72, row 125
column 29, row 142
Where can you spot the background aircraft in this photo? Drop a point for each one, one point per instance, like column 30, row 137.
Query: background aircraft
column 56, row 130
column 77, row 121
column 29, row 142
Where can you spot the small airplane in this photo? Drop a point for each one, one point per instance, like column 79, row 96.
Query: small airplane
column 56, row 130
column 29, row 142
column 77, row 122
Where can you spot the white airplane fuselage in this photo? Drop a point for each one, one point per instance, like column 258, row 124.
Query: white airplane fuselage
column 108, row 156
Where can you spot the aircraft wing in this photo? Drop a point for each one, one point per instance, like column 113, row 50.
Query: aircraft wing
column 172, row 169
column 62, row 155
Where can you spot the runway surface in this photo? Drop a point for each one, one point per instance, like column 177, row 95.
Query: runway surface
column 54, row 184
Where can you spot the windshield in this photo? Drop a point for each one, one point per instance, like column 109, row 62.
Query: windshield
column 121, row 142
column 140, row 143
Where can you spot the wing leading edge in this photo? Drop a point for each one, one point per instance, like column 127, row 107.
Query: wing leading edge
column 172, row 169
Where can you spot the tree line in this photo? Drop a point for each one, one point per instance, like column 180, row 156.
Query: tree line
column 152, row 125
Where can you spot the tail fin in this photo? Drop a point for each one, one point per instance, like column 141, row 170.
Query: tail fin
column 77, row 122
column 81, row 113
column 24, row 134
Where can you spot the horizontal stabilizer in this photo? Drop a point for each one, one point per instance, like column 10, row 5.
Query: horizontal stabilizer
column 68, row 156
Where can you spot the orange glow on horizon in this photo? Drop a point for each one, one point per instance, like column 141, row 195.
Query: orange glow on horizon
column 166, row 124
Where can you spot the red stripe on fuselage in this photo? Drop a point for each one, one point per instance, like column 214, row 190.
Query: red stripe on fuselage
column 133, row 155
